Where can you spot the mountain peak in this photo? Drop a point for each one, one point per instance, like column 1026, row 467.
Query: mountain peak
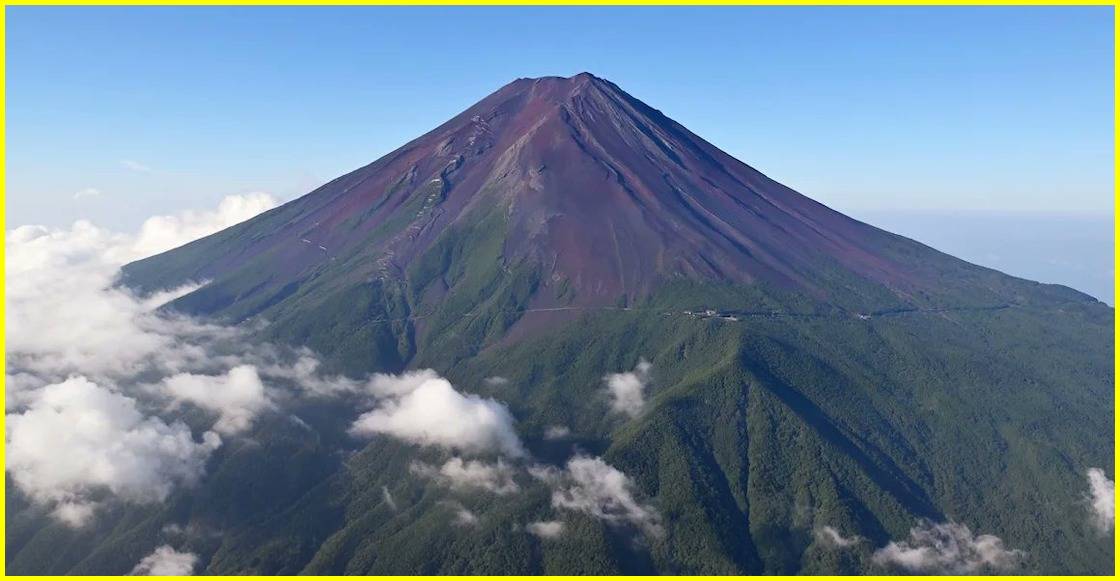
column 598, row 199
column 553, row 89
column 582, row 77
column 537, row 247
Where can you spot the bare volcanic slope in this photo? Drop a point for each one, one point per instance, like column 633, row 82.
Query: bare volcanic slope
column 561, row 193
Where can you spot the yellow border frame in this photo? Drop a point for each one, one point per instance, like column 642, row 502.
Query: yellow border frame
column 1116, row 156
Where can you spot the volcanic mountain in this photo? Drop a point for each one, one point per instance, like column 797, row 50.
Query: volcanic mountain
column 815, row 386
column 566, row 192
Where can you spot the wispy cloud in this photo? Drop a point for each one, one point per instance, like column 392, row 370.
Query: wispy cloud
column 557, row 432
column 133, row 165
column 471, row 474
column 461, row 516
column 388, row 497
column 948, row 548
column 592, row 486
column 86, row 193
column 166, row 562
column 830, row 537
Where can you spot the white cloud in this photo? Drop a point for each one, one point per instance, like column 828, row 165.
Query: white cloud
column 471, row 474
column 627, row 390
column 74, row 514
column 78, row 439
column 1102, row 499
column 830, row 537
column 86, row 193
column 161, row 233
column 165, row 561
column 238, row 396
column 592, row 486
column 546, row 529
column 556, row 432
column 78, row 350
column 388, row 385
column 495, row 381
column 65, row 314
column 947, row 548
column 423, row 408
column 271, row 361
column 462, row 516
column 133, row 165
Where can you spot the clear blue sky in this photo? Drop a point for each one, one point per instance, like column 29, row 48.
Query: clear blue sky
column 167, row 108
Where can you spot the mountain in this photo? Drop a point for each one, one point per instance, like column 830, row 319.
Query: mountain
column 808, row 370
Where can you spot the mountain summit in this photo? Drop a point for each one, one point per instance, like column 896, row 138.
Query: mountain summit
column 592, row 198
column 776, row 387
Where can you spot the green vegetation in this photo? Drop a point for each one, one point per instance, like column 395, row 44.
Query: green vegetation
column 756, row 432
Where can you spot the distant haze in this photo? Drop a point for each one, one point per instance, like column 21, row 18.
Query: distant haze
column 1074, row 250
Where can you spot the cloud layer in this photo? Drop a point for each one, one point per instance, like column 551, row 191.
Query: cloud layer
column 79, row 349
column 124, row 363
column 65, row 314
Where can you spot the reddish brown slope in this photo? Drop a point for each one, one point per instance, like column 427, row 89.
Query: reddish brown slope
column 601, row 192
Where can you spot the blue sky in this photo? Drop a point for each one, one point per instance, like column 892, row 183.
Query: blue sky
column 166, row 108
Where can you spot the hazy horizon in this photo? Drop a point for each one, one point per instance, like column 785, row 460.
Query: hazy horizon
column 1075, row 250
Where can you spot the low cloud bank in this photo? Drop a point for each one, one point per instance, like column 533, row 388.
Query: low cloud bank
column 66, row 316
column 79, row 349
